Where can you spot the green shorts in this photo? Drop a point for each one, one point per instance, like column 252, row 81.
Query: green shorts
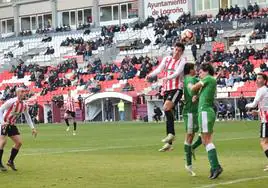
column 190, row 122
column 206, row 120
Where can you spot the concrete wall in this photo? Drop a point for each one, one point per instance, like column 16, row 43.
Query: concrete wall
column 6, row 12
column 35, row 8
column 73, row 4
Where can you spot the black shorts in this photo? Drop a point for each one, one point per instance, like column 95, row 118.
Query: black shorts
column 173, row 96
column 10, row 130
column 264, row 130
column 70, row 113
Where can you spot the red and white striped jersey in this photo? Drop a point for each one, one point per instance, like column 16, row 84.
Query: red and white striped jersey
column 173, row 72
column 70, row 104
column 12, row 109
column 261, row 100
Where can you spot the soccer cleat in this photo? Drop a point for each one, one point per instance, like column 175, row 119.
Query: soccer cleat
column 170, row 138
column 68, row 128
column 216, row 173
column 190, row 170
column 166, row 147
column 74, row 133
column 11, row 165
column 2, row 168
column 211, row 173
column 266, row 168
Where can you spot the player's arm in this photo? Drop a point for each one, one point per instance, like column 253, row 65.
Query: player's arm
column 159, row 68
column 195, row 88
column 178, row 71
column 3, row 108
column 256, row 101
column 30, row 122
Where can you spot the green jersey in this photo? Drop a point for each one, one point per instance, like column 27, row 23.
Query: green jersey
column 207, row 93
column 189, row 106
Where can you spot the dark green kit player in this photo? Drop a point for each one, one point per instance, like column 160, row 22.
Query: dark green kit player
column 190, row 115
column 206, row 115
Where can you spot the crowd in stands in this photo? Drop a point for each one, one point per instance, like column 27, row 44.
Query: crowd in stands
column 50, row 51
column 26, row 33
column 252, row 11
column 260, row 30
column 235, row 66
column 45, row 30
column 63, row 28
column 167, row 32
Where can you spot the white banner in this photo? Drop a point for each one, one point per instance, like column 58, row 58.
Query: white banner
column 172, row 8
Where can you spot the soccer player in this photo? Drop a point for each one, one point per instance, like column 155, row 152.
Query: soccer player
column 261, row 100
column 70, row 112
column 190, row 115
column 206, row 115
column 172, row 88
column 9, row 112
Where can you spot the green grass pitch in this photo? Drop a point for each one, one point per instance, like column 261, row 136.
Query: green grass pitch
column 124, row 155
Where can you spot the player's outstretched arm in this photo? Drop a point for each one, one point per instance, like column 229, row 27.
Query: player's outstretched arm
column 30, row 122
column 256, row 101
column 158, row 69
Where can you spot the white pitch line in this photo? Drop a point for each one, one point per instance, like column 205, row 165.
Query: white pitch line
column 74, row 150
column 86, row 150
column 233, row 181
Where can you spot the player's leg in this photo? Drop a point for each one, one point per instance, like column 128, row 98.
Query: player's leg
column 66, row 119
column 3, row 141
column 189, row 128
column 171, row 98
column 74, row 123
column 16, row 138
column 264, row 140
column 206, row 122
column 198, row 141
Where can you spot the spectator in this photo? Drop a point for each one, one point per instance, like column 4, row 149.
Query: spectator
column 222, row 110
column 121, row 109
column 108, row 106
column 49, row 116
column 157, row 114
column 241, row 104
column 80, row 102
column 256, row 7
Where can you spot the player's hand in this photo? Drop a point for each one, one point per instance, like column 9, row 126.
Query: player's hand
column 254, row 112
column 34, row 132
column 194, row 99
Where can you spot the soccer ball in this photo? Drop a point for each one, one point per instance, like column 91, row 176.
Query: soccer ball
column 187, row 35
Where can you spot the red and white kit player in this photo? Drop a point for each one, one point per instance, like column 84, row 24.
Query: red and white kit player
column 9, row 112
column 172, row 67
column 261, row 100
column 70, row 112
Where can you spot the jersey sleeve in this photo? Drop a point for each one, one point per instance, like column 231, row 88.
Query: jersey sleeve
column 159, row 68
column 189, row 86
column 28, row 118
column 258, row 97
column 205, row 81
column 5, row 107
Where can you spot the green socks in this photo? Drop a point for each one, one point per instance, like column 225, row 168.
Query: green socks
column 197, row 143
column 188, row 153
column 212, row 156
